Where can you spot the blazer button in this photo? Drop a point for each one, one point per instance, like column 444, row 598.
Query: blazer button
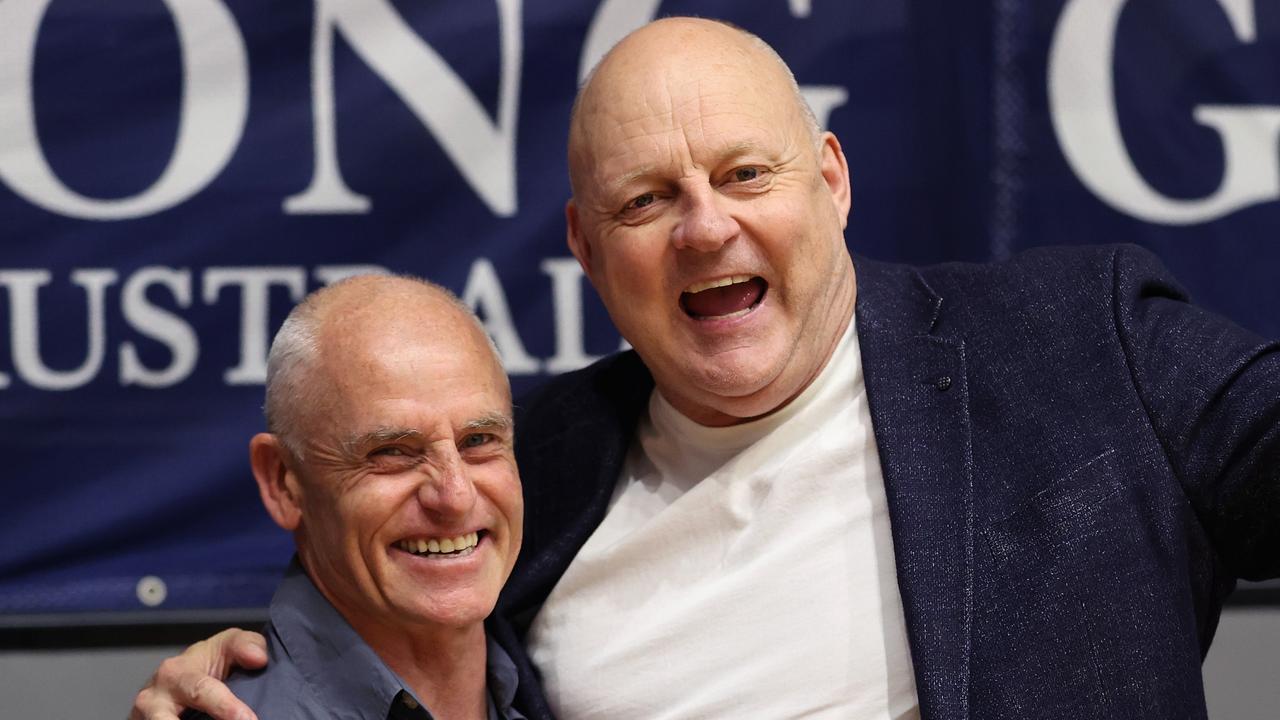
column 943, row 383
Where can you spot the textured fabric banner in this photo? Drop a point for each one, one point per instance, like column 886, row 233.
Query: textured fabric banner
column 175, row 174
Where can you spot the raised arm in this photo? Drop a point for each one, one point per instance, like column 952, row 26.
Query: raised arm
column 193, row 680
column 1212, row 393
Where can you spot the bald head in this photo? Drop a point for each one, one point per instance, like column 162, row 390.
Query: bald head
column 679, row 48
column 352, row 324
column 709, row 213
column 391, row 460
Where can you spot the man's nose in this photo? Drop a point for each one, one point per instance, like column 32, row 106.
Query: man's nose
column 446, row 490
column 705, row 224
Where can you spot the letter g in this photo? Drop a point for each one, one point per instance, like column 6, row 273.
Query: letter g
column 1082, row 106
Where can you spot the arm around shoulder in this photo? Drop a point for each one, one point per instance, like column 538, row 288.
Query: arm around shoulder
column 193, row 680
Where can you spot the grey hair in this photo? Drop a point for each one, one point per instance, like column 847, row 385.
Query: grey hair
column 297, row 345
column 293, row 353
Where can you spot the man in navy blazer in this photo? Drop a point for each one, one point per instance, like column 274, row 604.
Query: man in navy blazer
column 1073, row 489
column 970, row 491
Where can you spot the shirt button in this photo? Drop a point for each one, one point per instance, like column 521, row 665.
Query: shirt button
column 409, row 702
column 943, row 383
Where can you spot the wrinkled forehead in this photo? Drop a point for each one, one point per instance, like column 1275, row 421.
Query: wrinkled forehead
column 419, row 348
column 641, row 108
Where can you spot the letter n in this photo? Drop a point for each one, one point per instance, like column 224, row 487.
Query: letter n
column 481, row 149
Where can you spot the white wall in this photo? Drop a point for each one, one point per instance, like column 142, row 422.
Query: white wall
column 1240, row 674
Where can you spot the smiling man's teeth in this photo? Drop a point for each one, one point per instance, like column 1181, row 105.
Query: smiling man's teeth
column 459, row 545
column 707, row 285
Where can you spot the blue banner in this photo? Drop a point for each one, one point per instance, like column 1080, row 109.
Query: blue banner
column 175, row 174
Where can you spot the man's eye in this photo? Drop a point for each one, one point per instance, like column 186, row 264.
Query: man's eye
column 746, row 174
column 641, row 201
column 477, row 440
column 390, row 452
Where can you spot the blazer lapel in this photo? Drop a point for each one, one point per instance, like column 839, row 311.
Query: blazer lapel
column 918, row 393
column 570, row 462
column 570, row 471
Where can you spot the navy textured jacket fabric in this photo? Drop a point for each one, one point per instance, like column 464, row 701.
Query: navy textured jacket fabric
column 1078, row 463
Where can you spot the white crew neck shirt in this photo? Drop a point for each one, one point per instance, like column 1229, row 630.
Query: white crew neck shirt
column 742, row 571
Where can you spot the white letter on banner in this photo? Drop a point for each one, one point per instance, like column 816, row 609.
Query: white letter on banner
column 1082, row 106
column 566, row 299
column 215, row 100
column 255, row 284
column 24, row 330
column 484, row 295
column 615, row 19
column 158, row 324
column 483, row 151
column 822, row 99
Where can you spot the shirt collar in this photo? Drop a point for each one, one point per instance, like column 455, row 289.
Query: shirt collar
column 341, row 668
column 502, row 681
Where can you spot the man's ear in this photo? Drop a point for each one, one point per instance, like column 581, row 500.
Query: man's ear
column 277, row 482
column 578, row 244
column 835, row 172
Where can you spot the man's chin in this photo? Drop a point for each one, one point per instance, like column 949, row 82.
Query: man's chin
column 728, row 395
column 444, row 603
column 455, row 613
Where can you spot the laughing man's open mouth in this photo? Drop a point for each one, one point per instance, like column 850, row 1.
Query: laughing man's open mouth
column 727, row 297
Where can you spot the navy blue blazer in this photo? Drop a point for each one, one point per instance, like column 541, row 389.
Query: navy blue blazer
column 1078, row 463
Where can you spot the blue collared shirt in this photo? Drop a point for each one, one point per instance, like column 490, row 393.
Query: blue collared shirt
column 320, row 668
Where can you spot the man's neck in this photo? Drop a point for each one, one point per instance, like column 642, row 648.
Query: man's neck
column 444, row 666
column 446, row 670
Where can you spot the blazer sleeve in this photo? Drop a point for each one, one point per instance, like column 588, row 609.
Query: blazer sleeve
column 1212, row 392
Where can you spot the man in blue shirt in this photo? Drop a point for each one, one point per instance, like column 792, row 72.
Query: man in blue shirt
column 389, row 457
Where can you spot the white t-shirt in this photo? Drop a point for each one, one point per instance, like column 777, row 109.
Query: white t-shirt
column 742, row 571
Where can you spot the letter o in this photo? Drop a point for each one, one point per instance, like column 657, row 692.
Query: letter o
column 215, row 102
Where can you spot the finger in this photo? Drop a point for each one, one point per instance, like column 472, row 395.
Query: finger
column 149, row 705
column 184, row 682
column 248, row 649
column 209, row 695
column 193, row 679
